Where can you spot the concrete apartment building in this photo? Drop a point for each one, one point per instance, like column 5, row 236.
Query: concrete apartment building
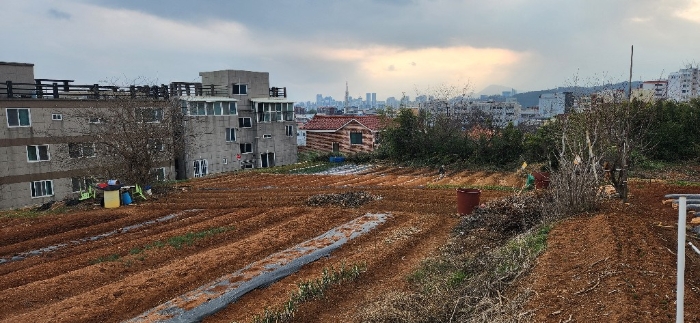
column 235, row 122
column 44, row 149
column 553, row 104
column 651, row 91
column 684, row 85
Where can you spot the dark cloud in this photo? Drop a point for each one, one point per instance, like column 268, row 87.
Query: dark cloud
column 55, row 13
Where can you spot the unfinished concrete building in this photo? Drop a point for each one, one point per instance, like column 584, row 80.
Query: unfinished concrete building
column 231, row 121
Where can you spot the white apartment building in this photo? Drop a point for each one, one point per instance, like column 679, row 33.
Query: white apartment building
column 684, row 84
column 553, row 104
column 651, row 91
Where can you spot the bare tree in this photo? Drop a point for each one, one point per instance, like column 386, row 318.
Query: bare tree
column 597, row 144
column 125, row 137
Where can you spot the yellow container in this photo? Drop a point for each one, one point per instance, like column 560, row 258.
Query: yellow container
column 111, row 199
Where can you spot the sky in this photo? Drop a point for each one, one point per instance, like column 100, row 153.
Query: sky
column 389, row 47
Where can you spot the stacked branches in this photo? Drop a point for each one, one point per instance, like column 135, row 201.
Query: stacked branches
column 349, row 199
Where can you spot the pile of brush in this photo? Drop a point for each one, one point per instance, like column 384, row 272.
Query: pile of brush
column 349, row 199
column 510, row 215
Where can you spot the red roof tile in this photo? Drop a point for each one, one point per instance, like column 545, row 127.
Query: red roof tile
column 321, row 122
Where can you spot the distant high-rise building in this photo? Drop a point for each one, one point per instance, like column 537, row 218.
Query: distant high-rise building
column 684, row 84
column 552, row 104
column 374, row 101
column 319, row 99
column 368, row 101
column 347, row 94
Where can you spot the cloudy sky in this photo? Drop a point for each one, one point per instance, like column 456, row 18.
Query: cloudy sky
column 384, row 46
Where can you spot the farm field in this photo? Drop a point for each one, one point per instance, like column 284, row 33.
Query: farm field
column 111, row 265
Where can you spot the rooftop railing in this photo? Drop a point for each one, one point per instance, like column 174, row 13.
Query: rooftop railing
column 64, row 89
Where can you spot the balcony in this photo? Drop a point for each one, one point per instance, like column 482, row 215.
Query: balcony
column 278, row 92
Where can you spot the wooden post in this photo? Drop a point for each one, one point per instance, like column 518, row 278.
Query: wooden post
column 54, row 88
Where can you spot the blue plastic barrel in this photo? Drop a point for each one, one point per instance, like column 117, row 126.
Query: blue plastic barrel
column 126, row 198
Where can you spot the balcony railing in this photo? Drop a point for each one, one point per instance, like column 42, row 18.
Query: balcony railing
column 278, row 92
column 63, row 89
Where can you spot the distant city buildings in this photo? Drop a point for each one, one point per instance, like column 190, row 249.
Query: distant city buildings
column 681, row 86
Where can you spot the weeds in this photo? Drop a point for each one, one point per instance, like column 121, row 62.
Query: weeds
column 480, row 187
column 298, row 168
column 488, row 252
column 309, row 290
column 31, row 213
column 176, row 242
column 189, row 238
column 109, row 258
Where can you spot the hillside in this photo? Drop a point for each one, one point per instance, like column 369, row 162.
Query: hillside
column 531, row 99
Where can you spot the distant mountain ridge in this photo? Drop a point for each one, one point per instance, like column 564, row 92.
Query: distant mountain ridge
column 494, row 89
column 531, row 99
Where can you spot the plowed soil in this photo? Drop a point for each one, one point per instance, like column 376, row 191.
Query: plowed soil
column 615, row 266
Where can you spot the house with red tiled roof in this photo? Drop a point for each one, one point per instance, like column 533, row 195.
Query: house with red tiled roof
column 342, row 134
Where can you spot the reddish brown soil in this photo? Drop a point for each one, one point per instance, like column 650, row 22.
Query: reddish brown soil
column 612, row 266
column 618, row 265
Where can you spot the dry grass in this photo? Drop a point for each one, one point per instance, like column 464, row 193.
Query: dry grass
column 490, row 250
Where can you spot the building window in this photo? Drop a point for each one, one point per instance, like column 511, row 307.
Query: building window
column 355, row 138
column 81, row 149
column 230, row 134
column 79, row 184
column 267, row 136
column 156, row 144
column 18, row 118
column 201, row 167
column 232, row 108
column 225, row 161
column 267, row 160
column 42, row 188
column 97, row 120
column 246, row 148
column 209, row 108
column 288, row 111
column 272, row 111
column 56, row 116
column 289, row 131
column 37, row 153
column 245, row 122
column 241, row 89
column 149, row 115
column 159, row 174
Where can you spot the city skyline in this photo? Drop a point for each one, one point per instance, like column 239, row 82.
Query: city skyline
column 388, row 47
